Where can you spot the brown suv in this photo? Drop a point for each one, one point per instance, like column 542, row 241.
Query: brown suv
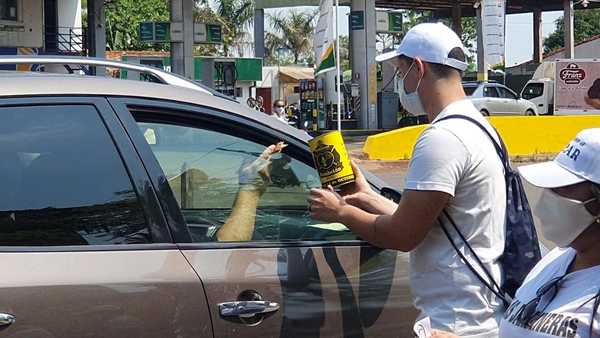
column 113, row 193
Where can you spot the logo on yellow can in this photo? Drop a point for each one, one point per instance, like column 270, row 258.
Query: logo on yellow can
column 331, row 159
column 328, row 159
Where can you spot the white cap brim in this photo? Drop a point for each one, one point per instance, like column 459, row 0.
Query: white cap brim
column 386, row 56
column 549, row 175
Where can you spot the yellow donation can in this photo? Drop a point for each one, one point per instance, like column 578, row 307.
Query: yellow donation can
column 331, row 159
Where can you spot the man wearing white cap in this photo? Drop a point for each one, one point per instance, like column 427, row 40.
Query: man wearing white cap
column 454, row 167
column 561, row 295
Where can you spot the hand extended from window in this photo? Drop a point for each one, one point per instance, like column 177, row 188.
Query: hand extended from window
column 254, row 179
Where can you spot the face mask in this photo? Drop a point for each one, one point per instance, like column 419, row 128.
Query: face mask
column 411, row 102
column 563, row 219
column 278, row 110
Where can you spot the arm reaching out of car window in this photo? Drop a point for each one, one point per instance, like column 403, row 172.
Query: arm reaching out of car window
column 255, row 176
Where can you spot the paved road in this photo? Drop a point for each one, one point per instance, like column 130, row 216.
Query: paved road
column 393, row 172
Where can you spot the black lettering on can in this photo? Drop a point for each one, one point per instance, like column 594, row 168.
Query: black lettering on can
column 572, row 332
column 555, row 324
column 547, row 322
column 562, row 330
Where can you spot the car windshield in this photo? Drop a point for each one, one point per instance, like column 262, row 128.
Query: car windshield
column 469, row 90
column 533, row 90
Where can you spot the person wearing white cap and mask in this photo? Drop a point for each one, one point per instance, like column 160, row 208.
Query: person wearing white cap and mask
column 454, row 167
column 561, row 295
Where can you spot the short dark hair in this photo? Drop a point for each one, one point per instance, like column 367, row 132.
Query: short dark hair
column 443, row 71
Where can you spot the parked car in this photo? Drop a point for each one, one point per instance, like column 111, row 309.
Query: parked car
column 496, row 99
column 111, row 190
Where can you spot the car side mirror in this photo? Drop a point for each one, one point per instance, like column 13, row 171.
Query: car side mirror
column 391, row 194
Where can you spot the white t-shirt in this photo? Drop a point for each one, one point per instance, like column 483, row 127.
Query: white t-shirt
column 456, row 157
column 569, row 313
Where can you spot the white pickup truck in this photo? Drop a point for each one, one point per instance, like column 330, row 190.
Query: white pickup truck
column 577, row 91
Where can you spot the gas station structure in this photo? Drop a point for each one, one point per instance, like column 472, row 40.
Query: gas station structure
column 362, row 37
column 362, row 41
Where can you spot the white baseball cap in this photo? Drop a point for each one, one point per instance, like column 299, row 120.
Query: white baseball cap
column 430, row 42
column 578, row 162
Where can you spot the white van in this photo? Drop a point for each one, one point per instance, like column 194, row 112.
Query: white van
column 540, row 89
column 541, row 94
column 577, row 91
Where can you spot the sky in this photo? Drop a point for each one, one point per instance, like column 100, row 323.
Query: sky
column 519, row 31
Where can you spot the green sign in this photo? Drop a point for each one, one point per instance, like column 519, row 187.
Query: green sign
column 162, row 31
column 155, row 31
column 395, row 22
column 147, row 31
column 214, row 34
column 357, row 20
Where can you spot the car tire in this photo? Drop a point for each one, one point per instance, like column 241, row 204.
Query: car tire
column 530, row 112
column 485, row 112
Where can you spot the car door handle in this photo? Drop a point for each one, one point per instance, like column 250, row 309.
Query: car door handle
column 246, row 309
column 540, row 105
column 6, row 319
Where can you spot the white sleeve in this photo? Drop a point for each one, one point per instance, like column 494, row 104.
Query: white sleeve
column 438, row 162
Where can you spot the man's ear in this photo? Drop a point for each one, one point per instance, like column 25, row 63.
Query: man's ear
column 422, row 68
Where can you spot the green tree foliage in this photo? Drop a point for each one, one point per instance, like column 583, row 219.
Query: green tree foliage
column 205, row 14
column 586, row 23
column 468, row 24
column 345, row 52
column 293, row 32
column 236, row 17
column 123, row 18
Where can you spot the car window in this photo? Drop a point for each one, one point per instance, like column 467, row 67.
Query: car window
column 489, row 91
column 533, row 90
column 207, row 172
column 63, row 181
column 506, row 94
column 469, row 90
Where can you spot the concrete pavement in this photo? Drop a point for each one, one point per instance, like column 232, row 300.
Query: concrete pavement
column 394, row 172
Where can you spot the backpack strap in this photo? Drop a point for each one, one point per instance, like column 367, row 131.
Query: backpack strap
column 493, row 286
column 503, row 154
column 500, row 148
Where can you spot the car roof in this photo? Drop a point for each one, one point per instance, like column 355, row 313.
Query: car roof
column 46, row 84
column 477, row 83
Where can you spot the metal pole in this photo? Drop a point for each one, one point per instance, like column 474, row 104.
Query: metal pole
column 278, row 76
column 177, row 50
column 457, row 19
column 337, row 66
column 538, row 48
column 569, row 32
column 482, row 71
column 259, row 33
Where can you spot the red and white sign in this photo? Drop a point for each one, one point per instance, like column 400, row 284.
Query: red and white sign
column 577, row 90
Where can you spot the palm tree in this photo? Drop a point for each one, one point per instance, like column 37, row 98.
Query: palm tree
column 272, row 43
column 235, row 16
column 294, row 32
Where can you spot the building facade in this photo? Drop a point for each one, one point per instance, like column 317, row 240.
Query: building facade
column 41, row 27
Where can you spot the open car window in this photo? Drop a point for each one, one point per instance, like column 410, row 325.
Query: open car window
column 204, row 169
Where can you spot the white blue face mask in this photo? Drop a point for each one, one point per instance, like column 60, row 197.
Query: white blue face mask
column 411, row 102
column 563, row 219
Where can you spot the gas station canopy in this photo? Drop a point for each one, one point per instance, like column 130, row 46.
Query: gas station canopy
column 468, row 9
column 444, row 7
